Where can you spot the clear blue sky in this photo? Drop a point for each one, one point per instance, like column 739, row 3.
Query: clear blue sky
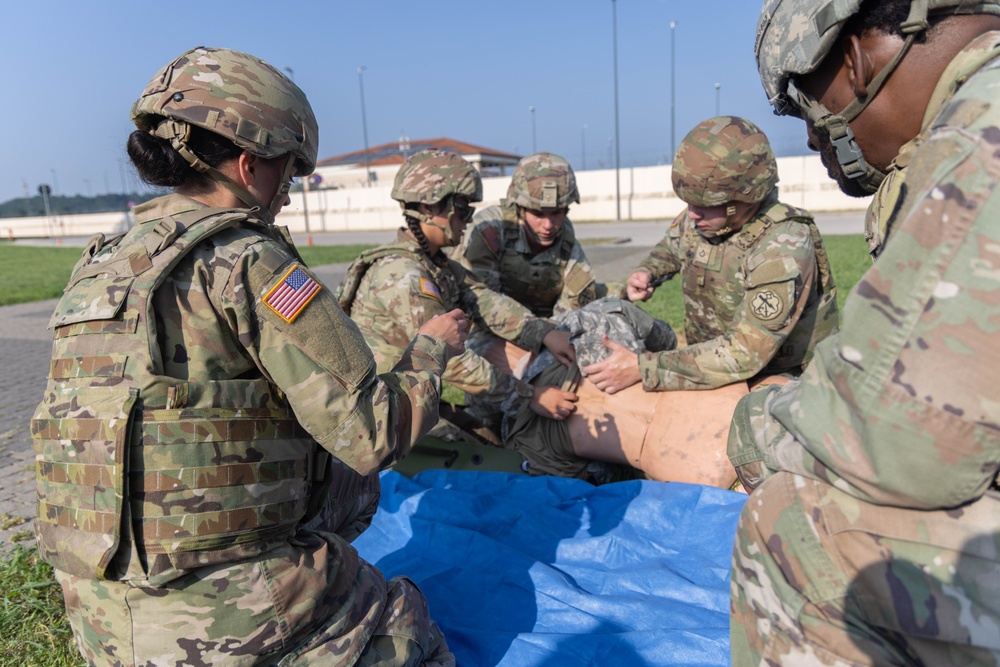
column 466, row 69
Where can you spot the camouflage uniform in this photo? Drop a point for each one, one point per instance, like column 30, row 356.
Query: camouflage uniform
column 875, row 537
column 756, row 302
column 207, row 448
column 404, row 288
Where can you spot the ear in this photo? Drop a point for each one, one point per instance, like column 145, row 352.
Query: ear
column 246, row 168
column 858, row 65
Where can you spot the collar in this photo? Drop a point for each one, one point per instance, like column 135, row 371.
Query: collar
column 161, row 207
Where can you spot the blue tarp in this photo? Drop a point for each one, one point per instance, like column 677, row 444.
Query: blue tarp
column 533, row 571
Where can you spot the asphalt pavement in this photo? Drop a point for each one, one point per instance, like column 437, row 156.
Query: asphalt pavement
column 25, row 344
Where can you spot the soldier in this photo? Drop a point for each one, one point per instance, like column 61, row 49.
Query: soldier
column 758, row 291
column 525, row 247
column 209, row 437
column 874, row 538
column 391, row 291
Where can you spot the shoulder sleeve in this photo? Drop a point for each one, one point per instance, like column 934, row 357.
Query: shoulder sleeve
column 316, row 355
column 579, row 283
column 480, row 251
column 664, row 260
column 780, row 278
column 902, row 407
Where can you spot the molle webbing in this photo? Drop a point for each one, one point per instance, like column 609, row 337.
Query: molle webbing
column 193, row 473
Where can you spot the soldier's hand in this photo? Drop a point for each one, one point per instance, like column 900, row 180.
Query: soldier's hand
column 452, row 328
column 618, row 370
column 553, row 402
column 639, row 287
column 557, row 342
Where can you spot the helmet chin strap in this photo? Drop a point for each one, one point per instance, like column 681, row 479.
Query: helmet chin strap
column 836, row 126
column 178, row 133
column 449, row 236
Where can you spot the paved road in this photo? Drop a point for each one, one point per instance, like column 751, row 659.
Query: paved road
column 25, row 345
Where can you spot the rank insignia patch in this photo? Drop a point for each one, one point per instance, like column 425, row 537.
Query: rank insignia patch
column 428, row 288
column 292, row 294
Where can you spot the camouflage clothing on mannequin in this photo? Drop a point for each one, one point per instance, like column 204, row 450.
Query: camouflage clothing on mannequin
column 758, row 291
column 545, row 271
column 874, row 536
column 213, row 424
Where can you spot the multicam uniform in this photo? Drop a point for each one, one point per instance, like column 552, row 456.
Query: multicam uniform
column 878, row 540
column 187, row 493
column 756, row 301
column 556, row 280
column 402, row 288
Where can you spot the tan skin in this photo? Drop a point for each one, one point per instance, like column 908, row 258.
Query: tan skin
column 543, row 226
column 895, row 115
column 261, row 178
column 551, row 402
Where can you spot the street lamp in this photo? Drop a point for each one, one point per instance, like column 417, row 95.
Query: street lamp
column 583, row 146
column 673, row 98
column 364, row 125
column 718, row 86
column 614, row 43
column 534, row 142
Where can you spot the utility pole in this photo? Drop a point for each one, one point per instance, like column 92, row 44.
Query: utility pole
column 614, row 42
column 364, row 126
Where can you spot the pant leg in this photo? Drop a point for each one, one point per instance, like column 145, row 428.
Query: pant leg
column 820, row 577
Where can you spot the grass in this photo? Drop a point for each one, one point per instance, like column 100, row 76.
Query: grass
column 36, row 273
column 34, row 629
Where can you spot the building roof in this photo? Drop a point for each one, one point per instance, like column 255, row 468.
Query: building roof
column 388, row 154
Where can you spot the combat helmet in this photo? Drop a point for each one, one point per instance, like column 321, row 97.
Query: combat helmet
column 795, row 36
column 543, row 181
column 722, row 160
column 239, row 97
column 429, row 177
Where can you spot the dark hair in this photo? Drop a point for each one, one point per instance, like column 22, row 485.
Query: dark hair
column 884, row 16
column 414, row 226
column 159, row 164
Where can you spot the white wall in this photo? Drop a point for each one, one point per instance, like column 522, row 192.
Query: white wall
column 645, row 195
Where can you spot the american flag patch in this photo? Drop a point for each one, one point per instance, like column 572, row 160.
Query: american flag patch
column 292, row 294
column 428, row 288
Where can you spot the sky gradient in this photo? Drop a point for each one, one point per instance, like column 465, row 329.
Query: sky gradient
column 466, row 69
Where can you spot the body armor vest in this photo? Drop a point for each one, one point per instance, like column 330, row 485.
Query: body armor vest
column 141, row 475
column 535, row 286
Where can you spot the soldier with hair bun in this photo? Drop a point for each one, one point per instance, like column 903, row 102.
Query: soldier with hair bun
column 209, row 440
column 758, row 291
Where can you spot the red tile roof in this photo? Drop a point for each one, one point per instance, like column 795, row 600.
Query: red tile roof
column 386, row 154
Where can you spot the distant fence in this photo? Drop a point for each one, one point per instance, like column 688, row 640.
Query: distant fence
column 645, row 194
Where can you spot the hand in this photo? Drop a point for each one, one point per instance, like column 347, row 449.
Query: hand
column 638, row 287
column 452, row 328
column 553, row 402
column 557, row 342
column 618, row 370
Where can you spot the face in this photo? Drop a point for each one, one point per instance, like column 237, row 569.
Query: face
column 544, row 225
column 454, row 217
column 710, row 220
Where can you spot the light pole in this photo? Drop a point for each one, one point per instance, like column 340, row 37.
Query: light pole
column 364, row 125
column 534, row 142
column 614, row 43
column 673, row 99
column 583, row 147
column 718, row 87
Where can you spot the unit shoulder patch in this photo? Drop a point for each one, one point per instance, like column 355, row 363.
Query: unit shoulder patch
column 491, row 237
column 767, row 304
column 292, row 293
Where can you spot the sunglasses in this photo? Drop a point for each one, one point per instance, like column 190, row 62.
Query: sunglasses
column 463, row 210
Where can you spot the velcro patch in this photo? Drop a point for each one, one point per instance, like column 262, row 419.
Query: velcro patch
column 428, row 288
column 489, row 235
column 290, row 296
